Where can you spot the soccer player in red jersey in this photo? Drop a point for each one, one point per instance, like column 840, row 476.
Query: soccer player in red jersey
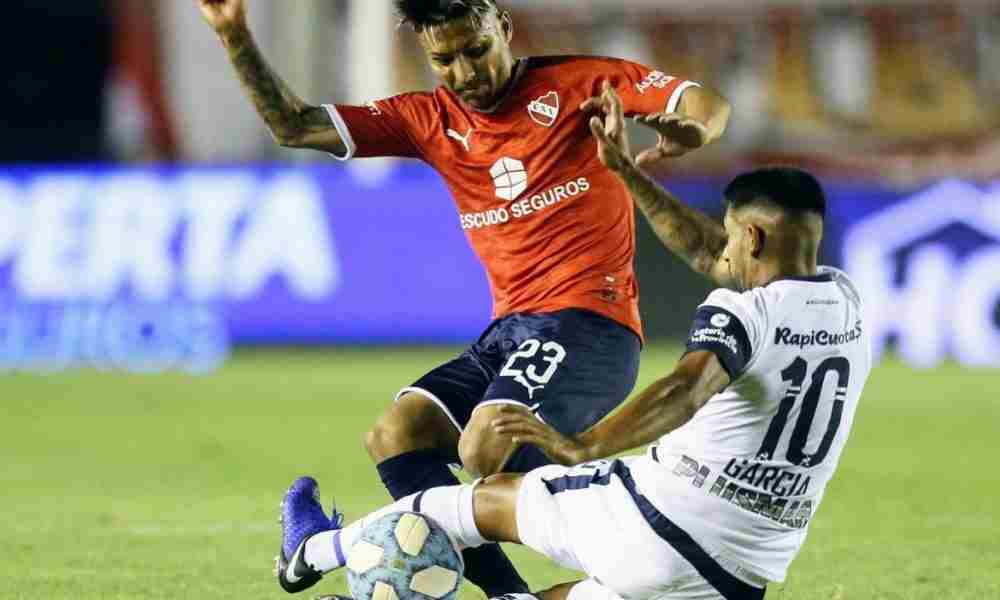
column 553, row 227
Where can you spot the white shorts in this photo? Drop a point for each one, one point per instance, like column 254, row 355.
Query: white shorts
column 591, row 518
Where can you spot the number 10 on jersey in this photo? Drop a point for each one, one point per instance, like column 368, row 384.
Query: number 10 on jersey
column 795, row 374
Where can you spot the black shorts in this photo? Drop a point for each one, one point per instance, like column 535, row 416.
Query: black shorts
column 570, row 367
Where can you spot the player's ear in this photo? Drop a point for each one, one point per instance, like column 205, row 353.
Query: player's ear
column 757, row 238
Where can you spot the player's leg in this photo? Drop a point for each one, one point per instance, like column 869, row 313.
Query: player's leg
column 481, row 450
column 584, row 518
column 589, row 518
column 472, row 515
column 571, row 367
column 413, row 443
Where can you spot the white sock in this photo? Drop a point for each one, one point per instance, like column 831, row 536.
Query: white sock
column 451, row 507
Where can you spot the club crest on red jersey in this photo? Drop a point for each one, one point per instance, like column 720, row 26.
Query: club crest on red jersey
column 545, row 109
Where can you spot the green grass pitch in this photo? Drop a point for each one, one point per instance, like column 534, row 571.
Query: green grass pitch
column 115, row 486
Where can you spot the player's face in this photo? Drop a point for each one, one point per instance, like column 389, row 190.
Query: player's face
column 472, row 59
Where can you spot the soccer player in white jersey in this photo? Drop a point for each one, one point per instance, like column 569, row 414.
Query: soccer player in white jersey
column 747, row 430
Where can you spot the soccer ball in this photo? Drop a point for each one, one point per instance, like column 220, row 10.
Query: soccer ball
column 404, row 556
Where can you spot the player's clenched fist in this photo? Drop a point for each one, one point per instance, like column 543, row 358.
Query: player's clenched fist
column 223, row 14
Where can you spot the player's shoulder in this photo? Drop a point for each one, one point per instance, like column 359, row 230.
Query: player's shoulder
column 793, row 286
column 408, row 104
column 748, row 306
column 585, row 66
column 582, row 61
column 422, row 111
column 420, row 98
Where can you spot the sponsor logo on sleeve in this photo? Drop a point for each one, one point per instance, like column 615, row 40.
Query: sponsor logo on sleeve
column 717, row 332
column 720, row 320
column 656, row 79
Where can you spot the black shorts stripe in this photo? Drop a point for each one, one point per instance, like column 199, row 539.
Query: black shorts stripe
column 576, row 482
column 718, row 577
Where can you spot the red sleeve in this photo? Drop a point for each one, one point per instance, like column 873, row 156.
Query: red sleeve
column 645, row 90
column 395, row 126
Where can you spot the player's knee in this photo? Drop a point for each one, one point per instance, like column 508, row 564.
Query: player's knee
column 380, row 441
column 482, row 452
column 392, row 435
column 495, row 503
column 476, row 460
column 413, row 423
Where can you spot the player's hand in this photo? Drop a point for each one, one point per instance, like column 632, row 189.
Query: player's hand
column 609, row 129
column 523, row 427
column 223, row 15
column 678, row 135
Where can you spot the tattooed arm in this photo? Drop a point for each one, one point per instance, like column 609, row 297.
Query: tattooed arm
column 685, row 231
column 292, row 122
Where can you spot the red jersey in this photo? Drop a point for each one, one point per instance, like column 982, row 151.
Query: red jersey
column 554, row 228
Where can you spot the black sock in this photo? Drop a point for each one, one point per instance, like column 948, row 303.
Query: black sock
column 486, row 566
column 489, row 568
column 416, row 471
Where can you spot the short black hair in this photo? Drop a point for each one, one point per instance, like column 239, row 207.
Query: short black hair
column 429, row 13
column 793, row 190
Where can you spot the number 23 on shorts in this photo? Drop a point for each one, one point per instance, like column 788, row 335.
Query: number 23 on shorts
column 526, row 373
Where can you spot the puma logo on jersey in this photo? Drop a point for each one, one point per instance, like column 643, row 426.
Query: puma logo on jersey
column 544, row 110
column 464, row 140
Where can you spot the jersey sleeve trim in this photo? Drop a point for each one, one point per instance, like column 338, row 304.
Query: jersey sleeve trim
column 722, row 333
column 675, row 98
column 345, row 134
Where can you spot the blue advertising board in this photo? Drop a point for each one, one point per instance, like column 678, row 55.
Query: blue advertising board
column 165, row 268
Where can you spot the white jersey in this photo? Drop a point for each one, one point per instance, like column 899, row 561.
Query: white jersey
column 744, row 477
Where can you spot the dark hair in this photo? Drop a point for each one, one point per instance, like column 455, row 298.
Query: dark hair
column 792, row 190
column 428, row 13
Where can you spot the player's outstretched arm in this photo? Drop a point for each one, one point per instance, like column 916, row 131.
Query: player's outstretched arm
column 292, row 122
column 659, row 409
column 700, row 119
column 687, row 232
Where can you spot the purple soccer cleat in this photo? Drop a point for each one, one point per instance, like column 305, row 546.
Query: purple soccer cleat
column 302, row 517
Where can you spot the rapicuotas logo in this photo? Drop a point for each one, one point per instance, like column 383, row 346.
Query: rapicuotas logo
column 786, row 336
